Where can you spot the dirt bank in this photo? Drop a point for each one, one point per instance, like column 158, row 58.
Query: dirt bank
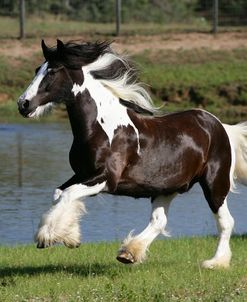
column 136, row 44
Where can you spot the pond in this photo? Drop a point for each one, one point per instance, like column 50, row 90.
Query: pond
column 34, row 161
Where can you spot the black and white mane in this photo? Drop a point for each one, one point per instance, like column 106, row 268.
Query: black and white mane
column 115, row 72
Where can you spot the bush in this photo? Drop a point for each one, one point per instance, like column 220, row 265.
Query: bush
column 104, row 11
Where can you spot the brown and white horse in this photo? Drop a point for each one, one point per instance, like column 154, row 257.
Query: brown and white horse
column 123, row 146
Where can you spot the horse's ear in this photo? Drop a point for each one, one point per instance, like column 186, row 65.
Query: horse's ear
column 60, row 46
column 45, row 50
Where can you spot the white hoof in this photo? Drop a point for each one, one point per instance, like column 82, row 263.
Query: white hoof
column 221, row 262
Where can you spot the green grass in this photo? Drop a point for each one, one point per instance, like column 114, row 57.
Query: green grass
column 58, row 26
column 50, row 26
column 172, row 272
column 193, row 67
column 213, row 80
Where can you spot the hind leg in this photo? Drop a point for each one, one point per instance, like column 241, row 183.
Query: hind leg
column 223, row 253
column 134, row 248
column 216, row 185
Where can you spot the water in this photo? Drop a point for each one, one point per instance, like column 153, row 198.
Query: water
column 34, row 161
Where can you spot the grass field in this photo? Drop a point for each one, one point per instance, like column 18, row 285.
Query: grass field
column 171, row 273
column 183, row 77
column 52, row 26
column 213, row 80
column 210, row 78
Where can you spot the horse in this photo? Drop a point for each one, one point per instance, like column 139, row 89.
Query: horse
column 124, row 145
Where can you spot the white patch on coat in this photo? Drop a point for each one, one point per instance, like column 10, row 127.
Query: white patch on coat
column 111, row 114
column 122, row 86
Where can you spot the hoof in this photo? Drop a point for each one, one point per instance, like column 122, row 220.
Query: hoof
column 220, row 263
column 42, row 245
column 125, row 257
column 71, row 245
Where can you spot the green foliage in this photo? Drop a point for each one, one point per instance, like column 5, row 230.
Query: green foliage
column 213, row 80
column 161, row 11
column 104, row 11
column 9, row 7
column 158, row 11
column 231, row 11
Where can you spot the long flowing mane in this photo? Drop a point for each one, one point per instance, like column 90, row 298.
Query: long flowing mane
column 117, row 74
column 114, row 71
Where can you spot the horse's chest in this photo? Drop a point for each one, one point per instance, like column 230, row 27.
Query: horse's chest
column 111, row 115
column 82, row 161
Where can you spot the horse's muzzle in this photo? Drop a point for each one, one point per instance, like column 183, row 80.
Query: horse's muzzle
column 23, row 107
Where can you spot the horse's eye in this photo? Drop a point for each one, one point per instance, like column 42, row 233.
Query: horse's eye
column 51, row 71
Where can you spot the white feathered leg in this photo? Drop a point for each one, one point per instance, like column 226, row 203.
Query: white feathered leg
column 223, row 254
column 61, row 222
column 134, row 248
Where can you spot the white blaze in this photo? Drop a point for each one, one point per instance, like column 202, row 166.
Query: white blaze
column 34, row 86
column 32, row 91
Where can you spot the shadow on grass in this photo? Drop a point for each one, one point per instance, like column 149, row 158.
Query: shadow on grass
column 81, row 270
column 239, row 236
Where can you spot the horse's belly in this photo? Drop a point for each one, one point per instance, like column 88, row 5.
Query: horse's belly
column 154, row 177
column 140, row 190
column 148, row 190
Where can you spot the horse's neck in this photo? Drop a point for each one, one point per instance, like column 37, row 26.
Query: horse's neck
column 93, row 103
column 102, row 96
column 82, row 115
column 97, row 103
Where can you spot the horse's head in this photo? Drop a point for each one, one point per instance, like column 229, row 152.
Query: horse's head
column 63, row 70
column 51, row 84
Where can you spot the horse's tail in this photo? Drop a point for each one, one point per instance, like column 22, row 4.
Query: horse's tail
column 238, row 139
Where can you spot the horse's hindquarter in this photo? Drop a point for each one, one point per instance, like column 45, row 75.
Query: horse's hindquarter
column 173, row 151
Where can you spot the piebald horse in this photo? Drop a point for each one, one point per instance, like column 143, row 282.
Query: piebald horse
column 123, row 145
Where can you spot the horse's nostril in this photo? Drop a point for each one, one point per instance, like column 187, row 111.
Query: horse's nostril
column 26, row 104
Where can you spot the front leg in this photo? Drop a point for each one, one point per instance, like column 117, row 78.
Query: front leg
column 61, row 222
column 58, row 191
column 76, row 180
